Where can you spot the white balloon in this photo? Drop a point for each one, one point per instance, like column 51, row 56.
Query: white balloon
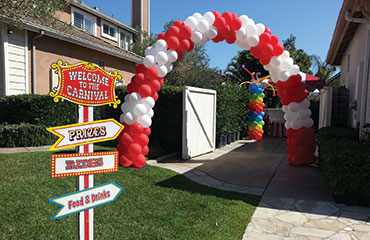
column 121, row 120
column 191, row 22
column 126, row 107
column 303, row 113
column 308, row 122
column 150, row 113
column 145, row 121
column 209, row 17
column 198, row 16
column 204, row 40
column 251, row 29
column 169, row 67
column 284, row 108
column 305, row 103
column 244, row 19
column 275, row 61
column 296, row 124
column 196, row 37
column 162, row 70
column 140, row 109
column 285, row 54
column 293, row 107
column 286, row 64
column 267, row 67
column 126, row 97
column 289, row 116
column 148, row 102
column 260, row 28
column 150, row 51
column 294, row 70
column 287, row 125
column 250, row 21
column 134, row 97
column 172, row 55
column 161, row 45
column 129, row 118
column 212, row 32
column 283, row 76
column 241, row 34
column 161, row 57
column 149, row 61
column 203, row 26
column 253, row 40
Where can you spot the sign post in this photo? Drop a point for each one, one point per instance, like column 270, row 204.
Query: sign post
column 87, row 85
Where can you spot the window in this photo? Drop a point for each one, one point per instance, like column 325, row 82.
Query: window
column 83, row 21
column 109, row 31
column 125, row 39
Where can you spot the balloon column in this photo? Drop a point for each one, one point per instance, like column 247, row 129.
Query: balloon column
column 256, row 105
column 199, row 29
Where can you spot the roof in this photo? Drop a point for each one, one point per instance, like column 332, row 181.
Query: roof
column 78, row 37
column 95, row 11
column 344, row 30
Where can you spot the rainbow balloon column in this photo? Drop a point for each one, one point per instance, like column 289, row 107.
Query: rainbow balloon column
column 256, row 105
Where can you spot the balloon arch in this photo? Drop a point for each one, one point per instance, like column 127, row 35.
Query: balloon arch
column 142, row 90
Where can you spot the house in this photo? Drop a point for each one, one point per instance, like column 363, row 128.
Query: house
column 27, row 53
column 350, row 49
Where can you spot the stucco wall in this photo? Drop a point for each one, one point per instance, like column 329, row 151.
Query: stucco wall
column 49, row 50
column 352, row 71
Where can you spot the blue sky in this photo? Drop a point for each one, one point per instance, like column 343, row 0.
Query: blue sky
column 311, row 21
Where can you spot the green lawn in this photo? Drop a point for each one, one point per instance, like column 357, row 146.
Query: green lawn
column 154, row 204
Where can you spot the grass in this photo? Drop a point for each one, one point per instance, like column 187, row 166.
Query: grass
column 155, row 204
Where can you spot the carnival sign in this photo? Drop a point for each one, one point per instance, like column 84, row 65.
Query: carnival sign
column 86, row 84
column 76, row 164
column 85, row 133
column 88, row 198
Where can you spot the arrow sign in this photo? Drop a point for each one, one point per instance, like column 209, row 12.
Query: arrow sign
column 85, row 133
column 83, row 200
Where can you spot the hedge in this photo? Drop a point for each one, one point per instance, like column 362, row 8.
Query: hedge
column 25, row 135
column 345, row 163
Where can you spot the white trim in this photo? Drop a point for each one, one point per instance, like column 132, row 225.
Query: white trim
column 141, row 15
column 26, row 60
column 73, row 10
column 107, row 35
column 126, row 33
column 6, row 61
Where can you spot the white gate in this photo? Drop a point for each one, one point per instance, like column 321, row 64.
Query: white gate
column 199, row 121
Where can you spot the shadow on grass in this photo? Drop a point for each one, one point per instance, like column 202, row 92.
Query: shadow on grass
column 180, row 182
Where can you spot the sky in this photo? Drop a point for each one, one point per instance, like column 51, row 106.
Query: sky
column 311, row 21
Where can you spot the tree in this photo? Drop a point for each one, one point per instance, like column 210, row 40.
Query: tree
column 16, row 11
column 321, row 68
column 143, row 40
column 300, row 57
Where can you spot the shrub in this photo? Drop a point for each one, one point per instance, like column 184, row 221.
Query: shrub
column 345, row 163
column 25, row 135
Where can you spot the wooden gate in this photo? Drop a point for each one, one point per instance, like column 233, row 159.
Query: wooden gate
column 199, row 121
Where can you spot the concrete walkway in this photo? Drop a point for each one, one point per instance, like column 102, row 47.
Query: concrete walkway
column 295, row 203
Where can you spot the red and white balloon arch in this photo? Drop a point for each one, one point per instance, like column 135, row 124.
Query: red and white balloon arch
column 137, row 109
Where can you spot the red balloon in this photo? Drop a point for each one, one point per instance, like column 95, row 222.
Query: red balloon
column 218, row 38
column 191, row 47
column 145, row 150
column 265, row 59
column 226, row 31
column 236, row 24
column 144, row 90
column 161, row 36
column 268, row 30
column 265, row 38
column 227, row 16
column 125, row 138
column 231, row 39
column 234, row 16
column 133, row 80
column 185, row 32
column 256, row 51
column 140, row 78
column 274, row 39
column 173, row 43
column 140, row 68
column 131, row 88
column 179, row 54
column 178, row 23
column 124, row 161
column 219, row 23
column 184, row 44
column 155, row 85
column 134, row 149
column 267, row 49
column 147, row 131
column 216, row 13
column 278, row 49
column 151, row 73
column 136, row 129
column 142, row 140
column 140, row 161
column 155, row 96
column 160, row 81
column 173, row 31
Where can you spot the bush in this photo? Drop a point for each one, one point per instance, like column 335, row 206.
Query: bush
column 39, row 110
column 345, row 163
column 25, row 135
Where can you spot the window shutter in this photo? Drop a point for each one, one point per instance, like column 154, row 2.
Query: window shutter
column 89, row 25
column 78, row 20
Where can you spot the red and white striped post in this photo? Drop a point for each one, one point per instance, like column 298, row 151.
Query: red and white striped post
column 85, row 218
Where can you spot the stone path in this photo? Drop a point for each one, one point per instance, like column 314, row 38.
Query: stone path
column 294, row 206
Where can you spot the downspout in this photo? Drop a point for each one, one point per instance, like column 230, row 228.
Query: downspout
column 365, row 81
column 34, row 60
